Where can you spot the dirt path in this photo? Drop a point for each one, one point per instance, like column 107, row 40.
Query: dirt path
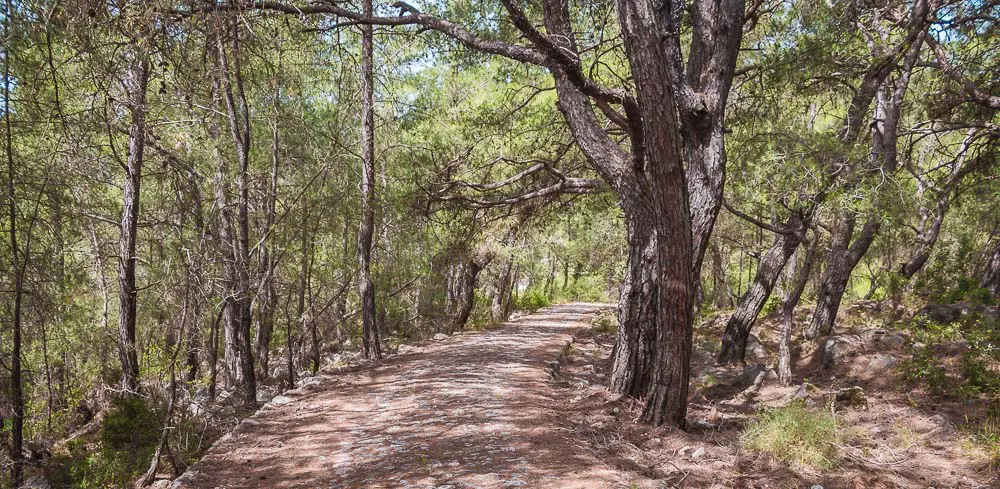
column 472, row 411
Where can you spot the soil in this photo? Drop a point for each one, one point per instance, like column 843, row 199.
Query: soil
column 493, row 410
column 476, row 410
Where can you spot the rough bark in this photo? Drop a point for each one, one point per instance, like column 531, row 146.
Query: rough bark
column 136, row 83
column 239, row 354
column 843, row 256
column 734, row 339
column 467, row 294
column 371, row 345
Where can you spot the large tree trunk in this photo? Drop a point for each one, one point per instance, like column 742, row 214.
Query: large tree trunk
column 734, row 340
column 366, row 287
column 788, row 311
column 137, row 80
column 635, row 345
column 841, row 260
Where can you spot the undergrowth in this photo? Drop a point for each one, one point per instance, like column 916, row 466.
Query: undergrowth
column 794, row 435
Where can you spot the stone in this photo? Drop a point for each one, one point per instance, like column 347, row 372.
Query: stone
column 755, row 374
column 698, row 453
column 36, row 482
column 884, row 340
column 879, row 364
column 281, row 400
column 851, row 396
column 440, row 337
column 837, row 349
column 264, row 395
column 756, row 351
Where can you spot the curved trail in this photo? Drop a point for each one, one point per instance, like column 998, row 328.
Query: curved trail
column 472, row 411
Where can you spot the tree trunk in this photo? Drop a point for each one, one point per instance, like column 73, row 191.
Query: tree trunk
column 239, row 353
column 635, row 345
column 16, row 388
column 720, row 290
column 366, row 288
column 137, row 81
column 479, row 260
column 734, row 339
column 501, row 299
column 840, row 262
column 990, row 276
column 788, row 311
column 267, row 296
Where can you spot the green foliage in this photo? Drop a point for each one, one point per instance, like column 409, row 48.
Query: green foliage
column 127, row 440
column 955, row 360
column 532, row 300
column 794, row 435
column 605, row 321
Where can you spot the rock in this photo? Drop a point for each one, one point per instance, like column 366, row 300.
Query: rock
column 698, row 453
column 851, row 396
column 281, row 400
column 264, row 395
column 36, row 482
column 185, row 478
column 446, row 486
column 880, row 364
column 335, row 358
column 406, row 349
column 755, row 350
column 440, row 337
column 815, row 486
column 837, row 349
column 949, row 313
column 160, row 484
column 806, row 391
column 884, row 340
column 756, row 373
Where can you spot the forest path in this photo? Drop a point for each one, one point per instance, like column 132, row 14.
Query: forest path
column 473, row 411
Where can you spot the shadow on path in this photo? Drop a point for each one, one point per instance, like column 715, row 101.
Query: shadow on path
column 472, row 411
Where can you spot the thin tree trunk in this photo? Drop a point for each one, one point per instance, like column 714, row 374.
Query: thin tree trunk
column 366, row 288
column 480, row 259
column 734, row 339
column 841, row 261
column 239, row 353
column 267, row 296
column 16, row 392
column 720, row 293
column 990, row 276
column 788, row 311
column 137, row 81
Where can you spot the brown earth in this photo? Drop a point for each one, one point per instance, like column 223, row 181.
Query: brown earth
column 474, row 411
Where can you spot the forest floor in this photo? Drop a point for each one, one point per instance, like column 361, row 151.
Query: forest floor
column 481, row 410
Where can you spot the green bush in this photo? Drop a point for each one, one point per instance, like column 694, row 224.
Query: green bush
column 605, row 321
column 128, row 438
column 794, row 435
column 977, row 372
column 532, row 300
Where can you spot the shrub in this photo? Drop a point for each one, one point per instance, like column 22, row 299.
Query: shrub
column 605, row 321
column 794, row 435
column 533, row 299
column 128, row 439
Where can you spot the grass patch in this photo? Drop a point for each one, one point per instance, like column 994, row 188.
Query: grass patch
column 794, row 435
column 605, row 321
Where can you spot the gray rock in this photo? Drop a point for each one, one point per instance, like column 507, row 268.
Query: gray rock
column 36, row 482
column 264, row 395
column 880, row 363
column 949, row 313
column 755, row 351
column 280, row 400
column 884, row 340
column 756, row 373
column 698, row 453
column 440, row 337
column 839, row 348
